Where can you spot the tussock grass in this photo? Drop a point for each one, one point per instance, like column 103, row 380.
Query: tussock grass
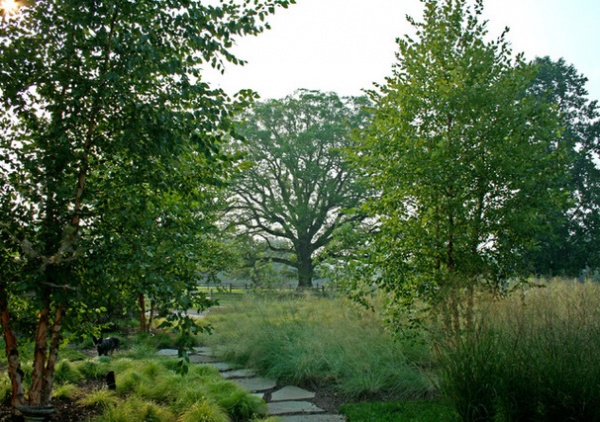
column 72, row 355
column 534, row 356
column 237, row 402
column 151, row 390
column 137, row 410
column 92, row 369
column 415, row 411
column 204, row 411
column 140, row 351
column 67, row 372
column 69, row 391
column 101, row 398
column 314, row 340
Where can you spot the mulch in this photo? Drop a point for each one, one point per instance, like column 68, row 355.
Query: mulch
column 66, row 411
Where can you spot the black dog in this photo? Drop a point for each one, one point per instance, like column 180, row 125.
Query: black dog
column 106, row 345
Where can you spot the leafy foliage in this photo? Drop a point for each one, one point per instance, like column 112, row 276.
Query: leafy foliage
column 568, row 244
column 466, row 164
column 106, row 121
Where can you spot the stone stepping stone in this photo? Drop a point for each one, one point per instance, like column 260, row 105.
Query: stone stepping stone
column 168, row 352
column 202, row 359
column 239, row 373
column 311, row 418
column 292, row 393
column 220, row 366
column 201, row 350
column 257, row 384
column 289, row 407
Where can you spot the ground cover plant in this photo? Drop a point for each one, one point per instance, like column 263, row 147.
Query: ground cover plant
column 311, row 341
column 148, row 387
column 80, row 229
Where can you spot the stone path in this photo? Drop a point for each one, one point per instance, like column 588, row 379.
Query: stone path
column 287, row 403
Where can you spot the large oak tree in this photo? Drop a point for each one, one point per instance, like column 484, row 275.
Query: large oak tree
column 299, row 190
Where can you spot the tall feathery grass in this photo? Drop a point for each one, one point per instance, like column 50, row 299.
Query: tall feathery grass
column 534, row 356
column 313, row 340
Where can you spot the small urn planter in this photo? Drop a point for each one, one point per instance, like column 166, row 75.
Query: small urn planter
column 36, row 413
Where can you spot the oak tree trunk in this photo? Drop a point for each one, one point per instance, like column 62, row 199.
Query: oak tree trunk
column 305, row 269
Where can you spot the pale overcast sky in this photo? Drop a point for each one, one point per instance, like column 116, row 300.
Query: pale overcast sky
column 346, row 45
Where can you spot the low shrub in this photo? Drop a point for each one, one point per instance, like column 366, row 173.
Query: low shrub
column 5, row 387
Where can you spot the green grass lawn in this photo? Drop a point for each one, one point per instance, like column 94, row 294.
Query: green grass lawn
column 412, row 411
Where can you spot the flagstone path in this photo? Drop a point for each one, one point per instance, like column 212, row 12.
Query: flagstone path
column 287, row 403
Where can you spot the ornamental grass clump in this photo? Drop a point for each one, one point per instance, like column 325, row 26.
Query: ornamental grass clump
column 67, row 372
column 312, row 340
column 152, row 390
column 533, row 356
column 204, row 411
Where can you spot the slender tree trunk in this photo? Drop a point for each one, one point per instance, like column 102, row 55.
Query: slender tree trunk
column 39, row 357
column 151, row 319
column 12, row 353
column 142, row 310
column 48, row 381
column 456, row 316
column 470, row 307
